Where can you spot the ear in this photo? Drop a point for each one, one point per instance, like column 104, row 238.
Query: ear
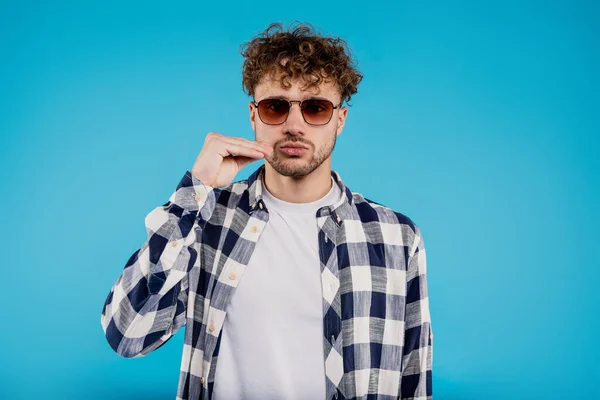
column 251, row 108
column 342, row 114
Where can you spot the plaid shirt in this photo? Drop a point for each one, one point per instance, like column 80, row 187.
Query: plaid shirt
column 376, row 320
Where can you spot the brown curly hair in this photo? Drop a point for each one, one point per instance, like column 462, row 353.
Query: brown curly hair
column 299, row 53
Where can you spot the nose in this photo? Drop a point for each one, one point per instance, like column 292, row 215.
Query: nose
column 295, row 122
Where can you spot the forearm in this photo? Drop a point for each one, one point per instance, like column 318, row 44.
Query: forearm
column 146, row 305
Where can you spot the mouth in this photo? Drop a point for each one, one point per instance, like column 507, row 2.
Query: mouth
column 293, row 149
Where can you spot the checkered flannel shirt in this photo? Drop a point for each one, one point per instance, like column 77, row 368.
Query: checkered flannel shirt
column 378, row 341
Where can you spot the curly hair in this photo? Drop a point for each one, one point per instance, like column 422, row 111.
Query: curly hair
column 299, row 53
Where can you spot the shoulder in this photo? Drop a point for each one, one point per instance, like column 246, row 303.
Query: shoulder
column 388, row 219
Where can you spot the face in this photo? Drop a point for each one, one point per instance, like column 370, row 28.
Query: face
column 318, row 141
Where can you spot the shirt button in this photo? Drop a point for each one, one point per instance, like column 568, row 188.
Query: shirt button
column 198, row 197
column 232, row 276
column 211, row 328
column 173, row 244
column 254, row 229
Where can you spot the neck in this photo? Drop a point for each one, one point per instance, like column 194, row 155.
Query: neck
column 307, row 189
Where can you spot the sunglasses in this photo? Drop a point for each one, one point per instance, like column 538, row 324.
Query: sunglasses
column 314, row 111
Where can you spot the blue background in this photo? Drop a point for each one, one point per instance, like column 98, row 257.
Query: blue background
column 479, row 120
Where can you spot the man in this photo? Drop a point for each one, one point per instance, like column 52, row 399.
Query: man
column 290, row 285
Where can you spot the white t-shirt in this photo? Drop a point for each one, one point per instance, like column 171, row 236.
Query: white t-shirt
column 272, row 343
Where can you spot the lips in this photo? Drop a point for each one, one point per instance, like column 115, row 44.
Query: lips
column 293, row 150
column 293, row 146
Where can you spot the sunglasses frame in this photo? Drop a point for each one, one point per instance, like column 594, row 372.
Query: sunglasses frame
column 300, row 102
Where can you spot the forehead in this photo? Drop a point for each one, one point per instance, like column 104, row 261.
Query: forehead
column 268, row 87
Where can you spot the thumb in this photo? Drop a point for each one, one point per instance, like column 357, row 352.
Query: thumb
column 243, row 161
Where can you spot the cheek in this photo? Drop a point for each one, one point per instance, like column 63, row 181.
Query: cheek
column 329, row 136
column 265, row 133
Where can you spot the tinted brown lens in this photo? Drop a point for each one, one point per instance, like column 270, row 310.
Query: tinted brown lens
column 317, row 112
column 273, row 111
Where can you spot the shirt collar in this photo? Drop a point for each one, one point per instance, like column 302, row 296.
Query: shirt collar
column 255, row 193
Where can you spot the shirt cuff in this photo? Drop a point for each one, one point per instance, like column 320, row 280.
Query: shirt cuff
column 191, row 194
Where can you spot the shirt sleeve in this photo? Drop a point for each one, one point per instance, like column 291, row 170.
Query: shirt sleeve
column 416, row 377
column 146, row 305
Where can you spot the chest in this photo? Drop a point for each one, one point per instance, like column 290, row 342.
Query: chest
column 348, row 267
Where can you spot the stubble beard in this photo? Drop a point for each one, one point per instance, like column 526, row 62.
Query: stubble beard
column 296, row 167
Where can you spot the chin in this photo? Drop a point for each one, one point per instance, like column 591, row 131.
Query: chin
column 294, row 167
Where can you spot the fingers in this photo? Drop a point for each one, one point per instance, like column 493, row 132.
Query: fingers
column 229, row 149
column 227, row 145
column 220, row 153
column 258, row 146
